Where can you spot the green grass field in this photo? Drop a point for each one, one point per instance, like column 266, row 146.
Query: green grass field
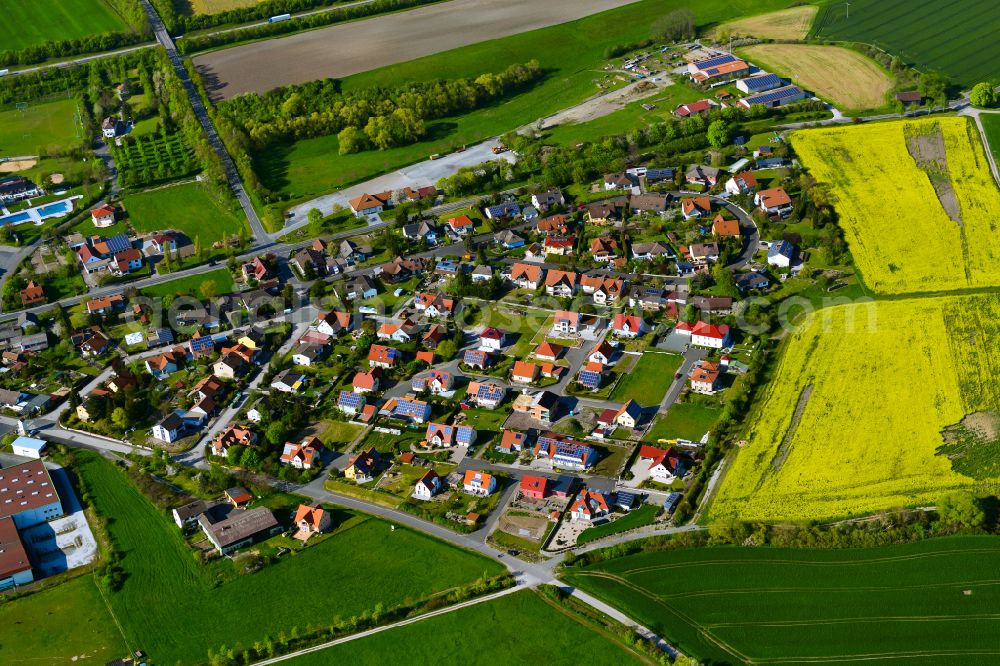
column 573, row 54
column 191, row 284
column 649, row 380
column 515, row 629
column 991, row 125
column 928, row 602
column 953, row 38
column 189, row 208
column 644, row 515
column 167, row 594
column 687, row 420
column 28, row 23
column 69, row 622
column 40, row 126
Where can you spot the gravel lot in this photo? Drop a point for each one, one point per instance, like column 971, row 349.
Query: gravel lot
column 349, row 48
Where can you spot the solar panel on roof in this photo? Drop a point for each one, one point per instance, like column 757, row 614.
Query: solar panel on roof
column 774, row 95
column 714, row 62
column 590, row 378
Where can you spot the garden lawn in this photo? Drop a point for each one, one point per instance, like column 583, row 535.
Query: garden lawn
column 191, row 284
column 68, row 622
column 168, row 594
column 189, row 208
column 953, row 38
column 26, row 23
column 868, row 388
column 649, row 380
column 572, row 52
column 991, row 126
column 931, row 601
column 878, row 189
column 684, row 420
column 541, row 629
column 644, row 515
column 335, row 433
column 40, row 127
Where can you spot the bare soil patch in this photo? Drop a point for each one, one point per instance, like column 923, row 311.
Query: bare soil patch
column 928, row 151
column 16, row 165
column 349, row 48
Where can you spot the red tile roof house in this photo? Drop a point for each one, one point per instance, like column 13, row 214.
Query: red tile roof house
column 302, row 455
column 627, row 326
column 706, row 378
column 559, row 245
column 512, row 441
column 695, row 207
column 588, row 506
column 774, row 201
column 527, row 276
column 334, row 322
column 666, row 466
column 368, row 204
column 383, row 357
column 103, row 216
column 566, row 322
column 602, row 353
column 311, row 520
column 741, row 183
column 700, row 107
column 534, row 487
column 491, row 339
column 232, row 436
column 560, row 283
column 548, row 351
column 524, row 372
column 603, row 249
column 461, row 225
column 703, row 334
column 365, row 382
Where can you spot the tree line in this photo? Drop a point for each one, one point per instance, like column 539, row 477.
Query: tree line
column 208, row 41
column 373, row 117
column 137, row 30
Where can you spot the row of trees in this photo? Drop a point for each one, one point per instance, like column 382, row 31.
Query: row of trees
column 373, row 117
column 137, row 30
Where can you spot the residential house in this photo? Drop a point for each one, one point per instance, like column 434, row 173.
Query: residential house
column 233, row 435
column 360, row 287
column 605, row 290
column 420, row 231
column 618, row 181
column 696, row 207
column 541, row 406
column 380, row 356
column 589, row 506
column 781, row 254
column 16, row 188
column 503, row 211
column 187, row 515
column 545, row 200
column 166, row 363
column 105, row 304
column 602, row 353
column 508, row 239
column 406, row 409
column 427, row 486
column 433, row 381
column 560, row 283
column 208, row 387
column 479, row 483
column 713, row 304
column 289, row 381
column 742, row 183
column 369, row 204
column 629, row 415
column 565, row 321
column 591, row 376
column 434, row 336
column 703, row 334
column 201, row 345
column 488, row 394
column 706, row 176
column 654, row 204
column 564, row 452
column 604, row 249
column 554, row 224
column 333, row 322
column 627, row 326
column 548, row 351
column 747, row 282
column 726, row 227
column 512, row 441
column 481, row 273
column 33, row 294
column 492, row 339
column 774, row 201
column 477, row 358
column 366, row 382
column 311, row 520
column 706, row 378
column 434, row 305
column 665, row 465
column 363, row 466
column 527, row 276
column 351, row 403
column 604, row 212
column 169, row 429
column 534, row 487
column 524, row 372
column 401, row 332
column 650, row 251
column 440, row 435
column 701, row 254
column 238, row 528
column 103, row 216
column 303, row 455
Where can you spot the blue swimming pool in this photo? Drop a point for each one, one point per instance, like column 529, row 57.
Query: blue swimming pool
column 16, row 218
column 53, row 209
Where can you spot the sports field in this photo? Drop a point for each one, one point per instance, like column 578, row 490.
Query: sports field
column 37, row 127
column 514, row 629
column 26, row 23
column 189, row 208
column 929, row 602
column 853, row 420
column 849, row 80
column 912, row 227
column 167, row 594
column 787, row 24
column 955, row 38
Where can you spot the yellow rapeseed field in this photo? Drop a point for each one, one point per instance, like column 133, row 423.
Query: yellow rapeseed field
column 900, row 235
column 853, row 419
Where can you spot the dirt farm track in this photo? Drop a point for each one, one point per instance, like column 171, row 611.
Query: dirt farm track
column 349, row 48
